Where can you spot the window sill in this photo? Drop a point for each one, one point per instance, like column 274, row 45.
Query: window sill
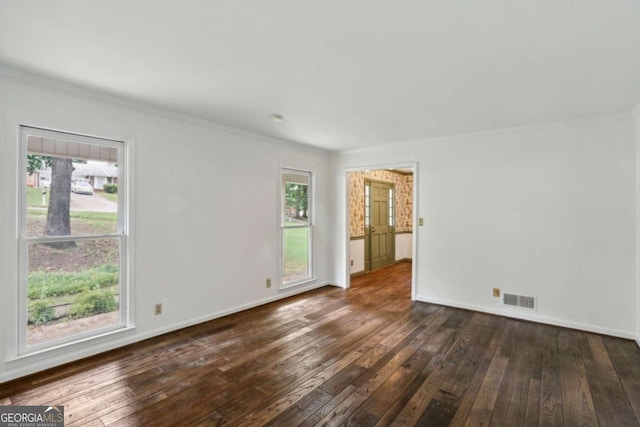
column 102, row 338
column 297, row 283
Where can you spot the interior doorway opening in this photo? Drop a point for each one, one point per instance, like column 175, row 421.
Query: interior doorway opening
column 381, row 220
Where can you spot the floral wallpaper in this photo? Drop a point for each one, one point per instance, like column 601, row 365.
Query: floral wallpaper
column 403, row 200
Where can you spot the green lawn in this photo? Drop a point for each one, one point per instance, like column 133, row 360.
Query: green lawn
column 34, row 198
column 295, row 250
column 97, row 216
column 109, row 196
column 46, row 290
column 83, row 222
column 54, row 284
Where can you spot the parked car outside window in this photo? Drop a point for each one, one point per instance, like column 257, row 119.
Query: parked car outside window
column 81, row 187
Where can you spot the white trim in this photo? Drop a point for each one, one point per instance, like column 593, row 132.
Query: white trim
column 635, row 114
column 22, row 245
column 128, row 196
column 69, row 345
column 298, row 283
column 239, row 308
column 517, row 314
column 187, row 118
column 541, row 126
column 415, row 229
column 154, row 109
column 12, row 181
column 51, row 359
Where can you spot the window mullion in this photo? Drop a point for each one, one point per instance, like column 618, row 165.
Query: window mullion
column 79, row 237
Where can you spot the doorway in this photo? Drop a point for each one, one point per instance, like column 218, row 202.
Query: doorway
column 380, row 219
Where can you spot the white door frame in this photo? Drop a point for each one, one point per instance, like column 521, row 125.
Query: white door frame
column 414, row 234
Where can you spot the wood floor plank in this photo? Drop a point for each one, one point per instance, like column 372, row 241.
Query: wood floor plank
column 446, row 363
column 512, row 399
column 532, row 414
column 327, row 408
column 293, row 391
column 596, row 376
column 551, row 413
column 365, row 356
column 625, row 358
column 302, row 410
column 375, row 407
column 381, row 373
column 436, row 348
column 577, row 401
column 486, row 398
column 497, row 331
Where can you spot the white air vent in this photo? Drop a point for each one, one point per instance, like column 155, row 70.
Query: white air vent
column 519, row 301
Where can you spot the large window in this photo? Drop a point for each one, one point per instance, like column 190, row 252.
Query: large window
column 296, row 226
column 73, row 238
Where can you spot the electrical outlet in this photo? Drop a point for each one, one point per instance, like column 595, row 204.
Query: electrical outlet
column 496, row 292
column 268, row 282
column 351, row 263
column 420, row 222
column 158, row 309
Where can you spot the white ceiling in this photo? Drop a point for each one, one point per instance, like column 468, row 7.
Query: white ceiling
column 344, row 74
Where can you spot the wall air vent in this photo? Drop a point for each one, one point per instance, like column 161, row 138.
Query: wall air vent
column 519, row 301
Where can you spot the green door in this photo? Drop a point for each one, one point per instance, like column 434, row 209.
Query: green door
column 381, row 230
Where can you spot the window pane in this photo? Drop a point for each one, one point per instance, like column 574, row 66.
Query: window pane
column 66, row 196
column 296, row 254
column 73, row 287
column 367, row 208
column 391, row 206
column 296, row 198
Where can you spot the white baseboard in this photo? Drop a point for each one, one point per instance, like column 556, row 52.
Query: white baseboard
column 335, row 285
column 531, row 317
column 32, row 363
column 284, row 294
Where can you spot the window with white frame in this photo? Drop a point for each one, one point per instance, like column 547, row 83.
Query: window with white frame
column 296, row 224
column 72, row 237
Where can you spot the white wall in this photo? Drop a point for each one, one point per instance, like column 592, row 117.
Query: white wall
column 199, row 256
column 404, row 243
column 357, row 255
column 357, row 251
column 544, row 211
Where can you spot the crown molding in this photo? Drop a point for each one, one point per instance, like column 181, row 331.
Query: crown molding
column 621, row 117
column 186, row 118
column 31, row 78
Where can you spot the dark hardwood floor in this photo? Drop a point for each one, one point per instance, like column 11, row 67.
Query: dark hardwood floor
column 368, row 356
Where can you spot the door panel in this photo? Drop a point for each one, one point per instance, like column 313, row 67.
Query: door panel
column 381, row 233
